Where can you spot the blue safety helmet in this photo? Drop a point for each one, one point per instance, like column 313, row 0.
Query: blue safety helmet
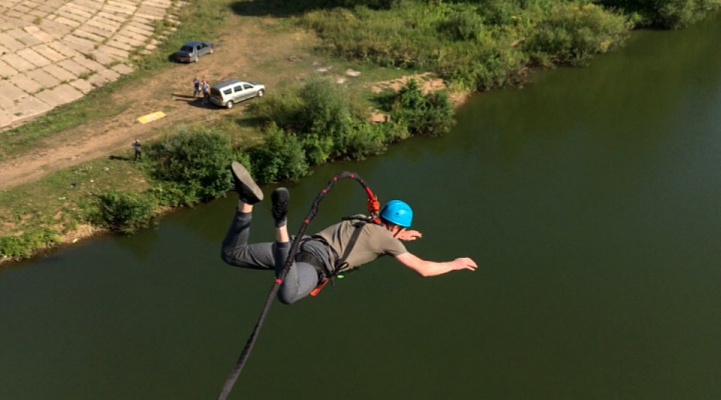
column 398, row 212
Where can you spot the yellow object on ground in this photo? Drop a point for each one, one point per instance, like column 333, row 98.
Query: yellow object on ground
column 151, row 117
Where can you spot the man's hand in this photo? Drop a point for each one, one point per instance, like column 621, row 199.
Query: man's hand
column 464, row 263
column 408, row 235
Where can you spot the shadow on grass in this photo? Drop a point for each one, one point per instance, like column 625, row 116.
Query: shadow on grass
column 284, row 8
column 384, row 100
column 194, row 101
column 278, row 9
column 252, row 122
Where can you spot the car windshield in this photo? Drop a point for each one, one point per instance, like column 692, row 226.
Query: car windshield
column 187, row 49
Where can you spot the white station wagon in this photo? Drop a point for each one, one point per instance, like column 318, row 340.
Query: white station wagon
column 228, row 93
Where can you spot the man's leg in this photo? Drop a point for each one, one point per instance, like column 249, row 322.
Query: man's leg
column 235, row 249
column 301, row 278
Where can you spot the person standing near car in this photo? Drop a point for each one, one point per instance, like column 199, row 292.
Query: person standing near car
column 196, row 87
column 206, row 92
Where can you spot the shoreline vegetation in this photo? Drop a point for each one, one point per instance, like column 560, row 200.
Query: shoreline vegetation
column 471, row 45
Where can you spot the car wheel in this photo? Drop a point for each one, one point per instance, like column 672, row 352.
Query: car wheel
column 196, row 59
column 211, row 51
column 229, row 105
column 261, row 93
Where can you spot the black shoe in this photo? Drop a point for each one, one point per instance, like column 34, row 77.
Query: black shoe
column 280, row 198
column 248, row 191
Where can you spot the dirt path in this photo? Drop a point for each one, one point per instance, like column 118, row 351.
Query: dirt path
column 243, row 56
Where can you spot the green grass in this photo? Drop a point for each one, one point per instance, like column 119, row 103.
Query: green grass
column 34, row 216
column 57, row 202
column 472, row 46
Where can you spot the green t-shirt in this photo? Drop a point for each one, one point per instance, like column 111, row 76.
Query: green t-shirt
column 374, row 241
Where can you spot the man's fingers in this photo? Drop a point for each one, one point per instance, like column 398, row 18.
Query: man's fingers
column 468, row 264
column 410, row 235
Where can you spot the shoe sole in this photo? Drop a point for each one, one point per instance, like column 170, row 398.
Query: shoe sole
column 241, row 174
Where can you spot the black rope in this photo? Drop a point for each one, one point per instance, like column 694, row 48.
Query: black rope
column 238, row 367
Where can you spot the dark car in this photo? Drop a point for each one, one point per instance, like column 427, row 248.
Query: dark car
column 191, row 51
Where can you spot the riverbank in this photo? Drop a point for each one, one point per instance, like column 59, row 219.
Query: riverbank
column 50, row 179
column 54, row 209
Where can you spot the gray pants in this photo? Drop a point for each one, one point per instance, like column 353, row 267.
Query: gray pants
column 302, row 277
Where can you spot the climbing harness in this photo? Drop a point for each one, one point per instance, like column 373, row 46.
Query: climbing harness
column 341, row 263
column 373, row 209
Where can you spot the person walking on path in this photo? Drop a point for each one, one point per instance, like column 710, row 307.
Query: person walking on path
column 338, row 248
column 138, row 150
column 196, row 87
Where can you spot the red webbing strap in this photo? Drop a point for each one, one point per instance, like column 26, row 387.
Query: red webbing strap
column 317, row 289
column 373, row 206
column 238, row 367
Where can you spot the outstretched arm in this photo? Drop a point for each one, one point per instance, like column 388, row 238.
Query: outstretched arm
column 432, row 268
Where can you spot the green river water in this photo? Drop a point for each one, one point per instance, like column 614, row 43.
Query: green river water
column 591, row 200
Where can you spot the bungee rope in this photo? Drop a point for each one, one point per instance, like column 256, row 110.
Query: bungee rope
column 373, row 209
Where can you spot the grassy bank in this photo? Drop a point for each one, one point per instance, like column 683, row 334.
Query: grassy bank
column 321, row 122
column 310, row 121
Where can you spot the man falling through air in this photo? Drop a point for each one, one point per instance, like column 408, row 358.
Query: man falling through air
column 336, row 249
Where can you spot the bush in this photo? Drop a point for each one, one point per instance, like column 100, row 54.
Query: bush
column 122, row 212
column 324, row 119
column 667, row 14
column 675, row 14
column 463, row 25
column 281, row 156
column 317, row 147
column 320, row 117
column 283, row 109
column 27, row 243
column 324, row 107
column 365, row 139
column 425, row 115
column 172, row 194
column 196, row 162
column 320, row 114
column 574, row 33
column 502, row 12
